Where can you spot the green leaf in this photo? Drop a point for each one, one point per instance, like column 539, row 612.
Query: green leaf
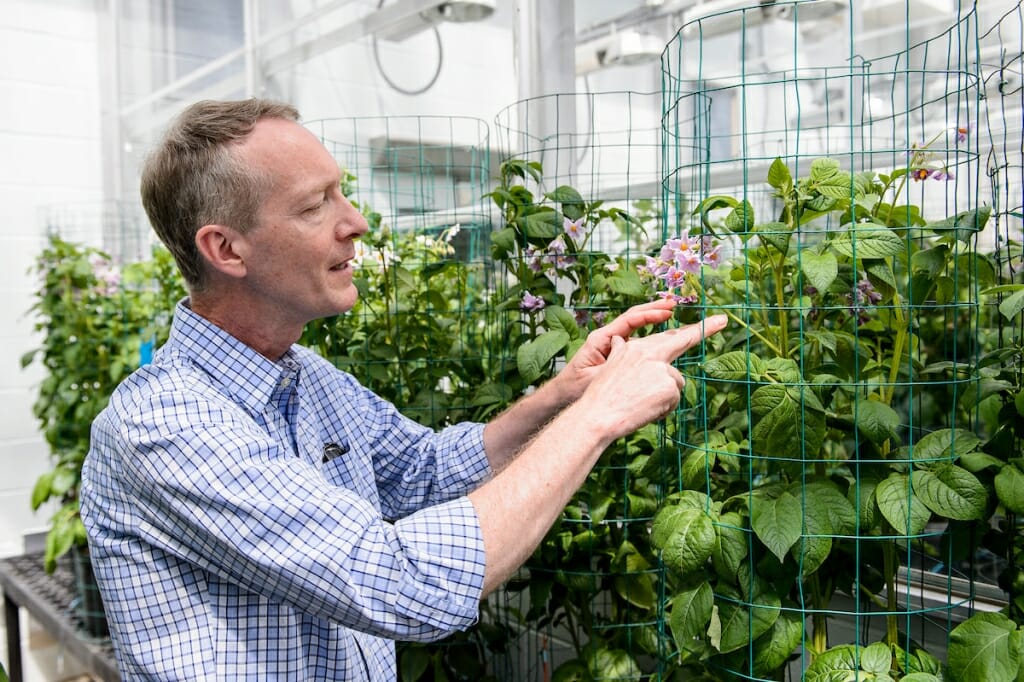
column 741, row 218
column 819, row 269
column 543, row 224
column 626, row 282
column 664, row 524
column 815, row 543
column 776, row 235
column 533, row 357
column 773, row 648
column 699, row 461
column 1009, row 484
column 742, row 623
column 876, row 658
column 838, row 664
column 27, row 358
column 904, row 511
column 777, row 521
column 41, row 491
column 691, row 613
column 983, row 648
column 492, row 394
column 881, row 276
column 868, row 242
column 730, row 544
column 503, row 241
column 842, row 517
column 823, row 169
column 930, row 261
column 614, row 664
column 565, row 194
column 735, row 365
column 690, row 542
column 837, row 186
column 876, row 420
column 1011, row 306
column 790, row 422
column 979, row 461
column 779, row 176
column 571, row 671
column 862, row 498
column 963, row 225
column 986, row 387
column 637, row 589
column 557, row 317
column 945, row 445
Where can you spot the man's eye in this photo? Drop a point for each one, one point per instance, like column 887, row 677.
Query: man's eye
column 320, row 204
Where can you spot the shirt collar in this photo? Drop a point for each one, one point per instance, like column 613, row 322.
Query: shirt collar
column 246, row 374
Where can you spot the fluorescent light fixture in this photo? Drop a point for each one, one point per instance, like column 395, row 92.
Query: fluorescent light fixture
column 412, row 16
column 618, row 48
column 718, row 17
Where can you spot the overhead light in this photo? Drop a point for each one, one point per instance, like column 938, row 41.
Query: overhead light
column 409, row 17
column 718, row 17
column 618, row 48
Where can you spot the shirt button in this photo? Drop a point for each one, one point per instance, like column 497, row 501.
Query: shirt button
column 285, row 382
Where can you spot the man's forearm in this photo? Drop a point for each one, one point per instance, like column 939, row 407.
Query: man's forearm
column 507, row 434
column 517, row 507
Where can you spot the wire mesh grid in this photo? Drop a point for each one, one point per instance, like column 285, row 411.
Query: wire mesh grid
column 845, row 396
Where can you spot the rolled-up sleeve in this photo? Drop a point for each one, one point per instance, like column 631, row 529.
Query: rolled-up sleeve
column 443, row 548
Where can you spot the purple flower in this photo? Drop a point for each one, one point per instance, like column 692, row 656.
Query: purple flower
column 961, row 133
column 533, row 259
column 675, row 277
column 688, row 261
column 941, row 174
column 866, row 292
column 531, row 303
column 575, row 228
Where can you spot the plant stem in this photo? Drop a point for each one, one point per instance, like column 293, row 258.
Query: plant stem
column 771, row 346
column 819, row 643
column 892, row 636
column 897, row 349
column 780, row 298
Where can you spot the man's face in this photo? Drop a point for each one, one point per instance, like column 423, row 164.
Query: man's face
column 299, row 258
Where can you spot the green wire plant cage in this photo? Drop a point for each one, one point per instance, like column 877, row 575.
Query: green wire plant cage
column 579, row 194
column 833, row 478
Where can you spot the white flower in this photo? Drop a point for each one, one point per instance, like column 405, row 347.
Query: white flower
column 449, row 234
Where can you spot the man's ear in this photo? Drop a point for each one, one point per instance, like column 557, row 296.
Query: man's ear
column 223, row 248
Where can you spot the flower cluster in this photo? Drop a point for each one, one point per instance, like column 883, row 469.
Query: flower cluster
column 531, row 303
column 679, row 257
column 862, row 297
column 554, row 256
column 108, row 274
column 922, row 164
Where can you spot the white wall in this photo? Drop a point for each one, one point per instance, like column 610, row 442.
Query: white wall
column 49, row 154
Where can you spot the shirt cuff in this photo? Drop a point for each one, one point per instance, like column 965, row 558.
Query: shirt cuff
column 469, row 467
column 442, row 583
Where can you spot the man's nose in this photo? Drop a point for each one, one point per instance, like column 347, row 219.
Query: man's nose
column 351, row 223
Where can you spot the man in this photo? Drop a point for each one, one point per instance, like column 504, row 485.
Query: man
column 253, row 513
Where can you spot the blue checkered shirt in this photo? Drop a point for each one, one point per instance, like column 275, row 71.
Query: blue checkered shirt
column 226, row 548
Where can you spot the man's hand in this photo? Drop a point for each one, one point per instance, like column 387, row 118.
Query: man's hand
column 637, row 383
column 585, row 364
